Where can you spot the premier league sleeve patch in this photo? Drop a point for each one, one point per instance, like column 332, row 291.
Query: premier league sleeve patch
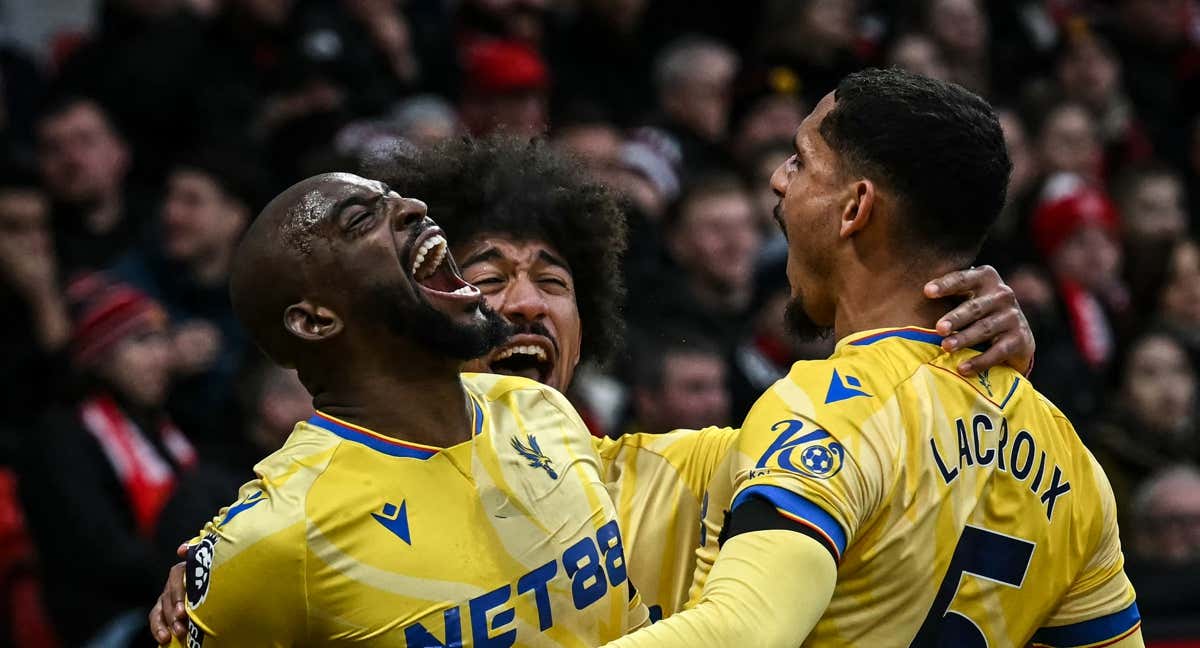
column 198, row 571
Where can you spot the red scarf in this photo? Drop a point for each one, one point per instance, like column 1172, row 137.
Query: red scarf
column 148, row 479
column 1089, row 325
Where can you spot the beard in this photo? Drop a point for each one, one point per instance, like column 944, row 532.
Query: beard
column 800, row 324
column 415, row 319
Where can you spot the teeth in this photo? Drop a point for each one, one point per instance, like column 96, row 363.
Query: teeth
column 438, row 245
column 465, row 290
column 530, row 350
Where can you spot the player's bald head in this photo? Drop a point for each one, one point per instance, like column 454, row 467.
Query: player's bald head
column 269, row 270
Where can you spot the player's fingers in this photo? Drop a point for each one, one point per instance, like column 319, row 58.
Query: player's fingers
column 966, row 314
column 1002, row 351
column 175, row 595
column 158, row 624
column 182, row 550
column 963, row 282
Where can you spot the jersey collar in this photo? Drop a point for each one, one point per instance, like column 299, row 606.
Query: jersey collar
column 912, row 333
column 384, row 444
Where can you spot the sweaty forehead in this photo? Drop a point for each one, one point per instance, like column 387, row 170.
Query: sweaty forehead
column 317, row 204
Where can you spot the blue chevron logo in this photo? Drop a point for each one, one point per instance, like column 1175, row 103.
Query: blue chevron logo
column 840, row 391
column 252, row 500
column 395, row 520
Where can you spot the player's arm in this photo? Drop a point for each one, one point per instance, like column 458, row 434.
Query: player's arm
column 690, row 456
column 767, row 588
column 990, row 316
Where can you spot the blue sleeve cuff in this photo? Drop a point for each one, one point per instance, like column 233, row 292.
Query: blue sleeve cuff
column 1092, row 633
column 799, row 510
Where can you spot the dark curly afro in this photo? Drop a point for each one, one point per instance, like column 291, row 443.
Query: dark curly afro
column 525, row 190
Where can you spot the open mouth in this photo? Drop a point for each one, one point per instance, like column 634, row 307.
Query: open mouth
column 528, row 356
column 434, row 271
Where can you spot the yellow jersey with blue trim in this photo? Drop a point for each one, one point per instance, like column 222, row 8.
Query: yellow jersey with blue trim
column 960, row 511
column 659, row 484
column 349, row 537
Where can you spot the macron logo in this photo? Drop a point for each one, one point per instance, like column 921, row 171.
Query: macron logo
column 395, row 520
column 840, row 391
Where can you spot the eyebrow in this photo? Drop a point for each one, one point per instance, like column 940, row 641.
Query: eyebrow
column 490, row 254
column 550, row 259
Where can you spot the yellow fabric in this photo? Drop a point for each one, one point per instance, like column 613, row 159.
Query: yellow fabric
column 659, row 484
column 509, row 537
column 897, row 460
column 761, row 579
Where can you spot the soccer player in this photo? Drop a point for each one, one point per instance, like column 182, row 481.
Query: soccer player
column 417, row 507
column 542, row 243
column 880, row 498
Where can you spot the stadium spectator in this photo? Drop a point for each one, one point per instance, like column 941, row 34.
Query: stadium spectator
column 814, row 41
column 770, row 111
column 84, row 162
column 1089, row 74
column 960, row 29
column 1179, row 299
column 209, row 201
column 760, row 165
column 37, row 327
column 505, row 89
column 1067, row 142
column 1152, row 420
column 1075, row 229
column 97, row 476
column 711, row 238
column 1151, row 201
column 679, row 381
column 918, row 54
column 693, row 79
column 1164, row 558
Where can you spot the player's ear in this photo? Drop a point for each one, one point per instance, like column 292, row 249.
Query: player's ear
column 311, row 322
column 857, row 210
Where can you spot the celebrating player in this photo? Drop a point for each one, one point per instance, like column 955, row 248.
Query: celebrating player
column 552, row 274
column 417, row 507
column 879, row 498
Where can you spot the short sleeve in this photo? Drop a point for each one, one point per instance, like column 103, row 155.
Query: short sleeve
column 245, row 575
column 825, row 478
column 1100, row 605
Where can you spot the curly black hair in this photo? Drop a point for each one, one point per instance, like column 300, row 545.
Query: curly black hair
column 504, row 185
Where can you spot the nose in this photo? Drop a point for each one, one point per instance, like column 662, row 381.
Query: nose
column 406, row 212
column 779, row 180
column 523, row 302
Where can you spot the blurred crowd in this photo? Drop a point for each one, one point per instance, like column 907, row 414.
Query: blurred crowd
column 134, row 153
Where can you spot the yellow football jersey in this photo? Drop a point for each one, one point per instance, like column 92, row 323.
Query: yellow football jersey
column 961, row 511
column 351, row 537
column 659, row 484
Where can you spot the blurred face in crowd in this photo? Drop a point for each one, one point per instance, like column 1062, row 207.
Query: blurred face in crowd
column 529, row 284
column 199, row 220
column 282, row 403
column 693, row 394
column 1153, row 210
column 81, row 157
column 1089, row 74
column 597, row 144
column 772, row 118
column 1169, row 524
column 1181, row 295
column 1090, row 257
column 139, row 368
column 25, row 221
column 522, row 18
column 919, row 55
column 273, row 13
column 702, row 100
column 522, row 114
column 1162, row 22
column 1069, row 142
column 959, row 26
column 1024, row 171
column 717, row 238
column 830, row 23
column 764, row 168
column 1160, row 384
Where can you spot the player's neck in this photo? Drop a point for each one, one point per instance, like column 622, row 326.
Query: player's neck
column 878, row 300
column 426, row 407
